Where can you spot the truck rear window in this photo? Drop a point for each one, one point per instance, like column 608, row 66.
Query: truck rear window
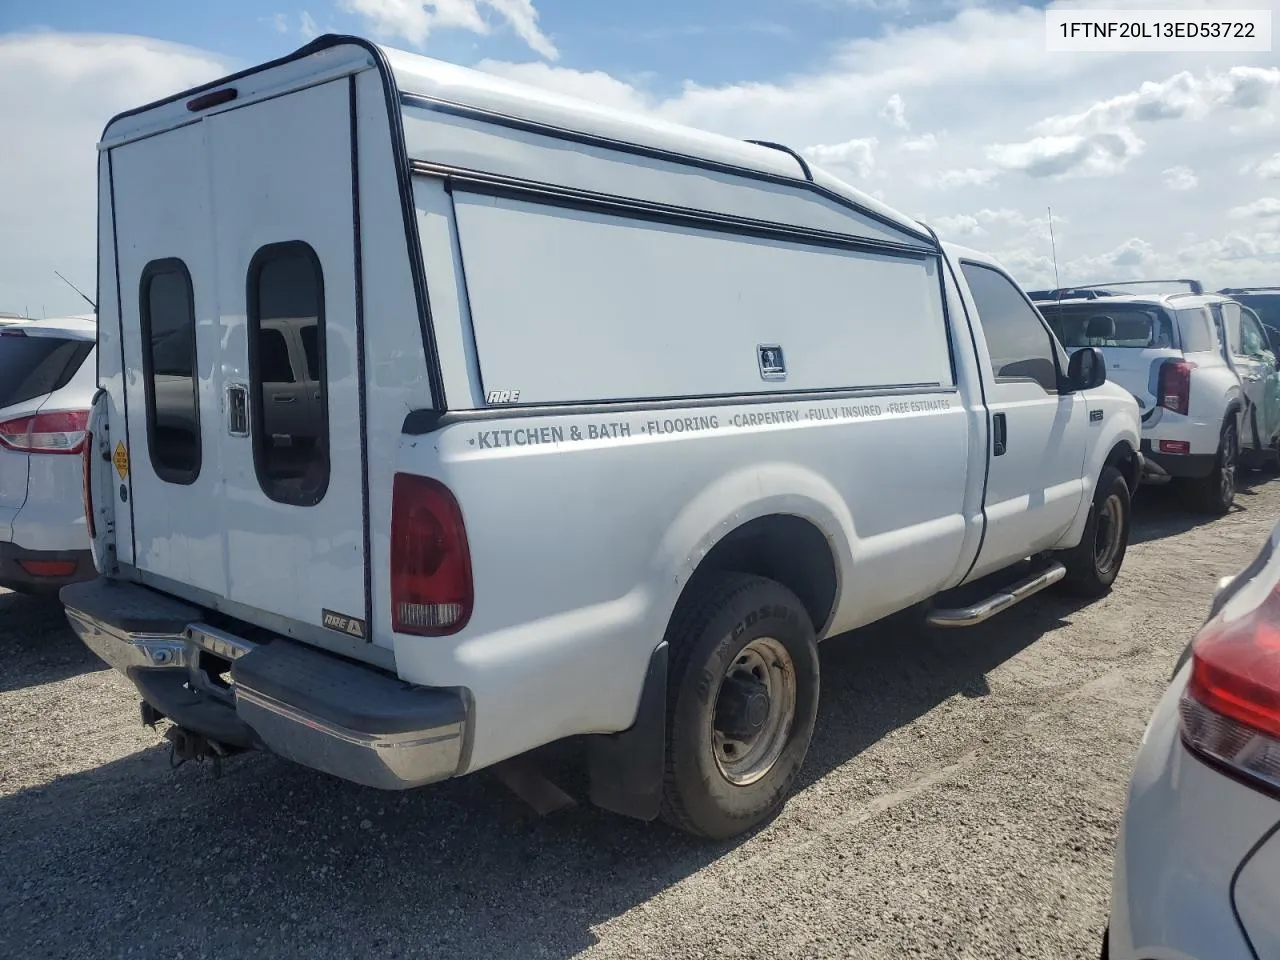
column 30, row 367
column 167, row 316
column 1102, row 324
column 289, row 396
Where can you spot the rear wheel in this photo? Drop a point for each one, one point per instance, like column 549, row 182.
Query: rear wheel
column 1216, row 493
column 1093, row 564
column 741, row 703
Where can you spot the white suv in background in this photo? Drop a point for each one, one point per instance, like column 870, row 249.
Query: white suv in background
column 1204, row 375
column 47, row 381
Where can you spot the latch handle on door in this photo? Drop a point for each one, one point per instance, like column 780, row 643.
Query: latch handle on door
column 999, row 434
column 237, row 410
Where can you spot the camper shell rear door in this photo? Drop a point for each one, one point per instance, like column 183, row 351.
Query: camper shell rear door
column 237, row 263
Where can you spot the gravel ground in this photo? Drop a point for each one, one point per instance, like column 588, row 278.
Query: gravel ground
column 960, row 799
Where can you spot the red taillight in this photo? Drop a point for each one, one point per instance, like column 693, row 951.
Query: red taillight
column 59, row 432
column 1174, row 387
column 86, row 482
column 1231, row 708
column 1175, row 446
column 431, row 590
column 48, row 568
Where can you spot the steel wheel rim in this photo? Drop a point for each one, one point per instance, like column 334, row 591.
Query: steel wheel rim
column 1227, row 468
column 1106, row 539
column 763, row 662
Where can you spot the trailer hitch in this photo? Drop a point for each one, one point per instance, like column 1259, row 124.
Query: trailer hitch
column 185, row 745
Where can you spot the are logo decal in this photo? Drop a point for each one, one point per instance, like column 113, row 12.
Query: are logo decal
column 351, row 626
column 502, row 396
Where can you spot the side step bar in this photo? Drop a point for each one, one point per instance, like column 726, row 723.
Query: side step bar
column 999, row 601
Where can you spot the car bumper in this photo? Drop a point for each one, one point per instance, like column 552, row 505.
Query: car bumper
column 312, row 707
column 1186, row 830
column 43, row 572
column 1177, row 465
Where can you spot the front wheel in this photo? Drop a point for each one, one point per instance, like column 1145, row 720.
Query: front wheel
column 1093, row 565
column 741, row 704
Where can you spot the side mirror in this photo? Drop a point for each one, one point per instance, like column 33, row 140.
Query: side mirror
column 1087, row 369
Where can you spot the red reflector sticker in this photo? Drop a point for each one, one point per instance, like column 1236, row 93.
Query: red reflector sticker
column 1175, row 446
column 48, row 568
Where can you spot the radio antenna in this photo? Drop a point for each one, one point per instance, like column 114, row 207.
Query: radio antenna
column 1054, row 248
column 77, row 290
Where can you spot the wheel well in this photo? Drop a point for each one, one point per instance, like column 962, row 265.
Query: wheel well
column 1125, row 459
column 782, row 547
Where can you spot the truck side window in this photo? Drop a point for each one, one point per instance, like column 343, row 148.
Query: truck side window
column 291, row 433
column 166, row 312
column 1019, row 344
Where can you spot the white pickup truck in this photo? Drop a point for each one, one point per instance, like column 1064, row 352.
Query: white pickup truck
column 441, row 418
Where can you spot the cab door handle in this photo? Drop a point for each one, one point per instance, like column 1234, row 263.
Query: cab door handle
column 999, row 434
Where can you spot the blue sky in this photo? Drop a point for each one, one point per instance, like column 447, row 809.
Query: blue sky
column 662, row 41
column 1154, row 164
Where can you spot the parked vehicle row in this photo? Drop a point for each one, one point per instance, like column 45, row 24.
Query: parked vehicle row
column 1203, row 370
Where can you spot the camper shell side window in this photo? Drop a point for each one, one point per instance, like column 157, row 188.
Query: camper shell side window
column 166, row 313
column 289, row 410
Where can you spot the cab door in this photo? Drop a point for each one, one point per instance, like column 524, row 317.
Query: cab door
column 1035, row 482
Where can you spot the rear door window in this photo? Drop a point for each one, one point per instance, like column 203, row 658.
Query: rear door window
column 168, row 318
column 291, row 440
column 31, row 367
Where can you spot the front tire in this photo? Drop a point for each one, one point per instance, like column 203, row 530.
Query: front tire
column 742, row 699
column 1216, row 493
column 1094, row 563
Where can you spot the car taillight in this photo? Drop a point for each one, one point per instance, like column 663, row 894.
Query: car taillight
column 1230, row 711
column 60, row 432
column 86, row 481
column 1174, row 388
column 431, row 589
column 1175, row 446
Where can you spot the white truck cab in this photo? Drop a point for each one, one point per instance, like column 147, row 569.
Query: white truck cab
column 443, row 418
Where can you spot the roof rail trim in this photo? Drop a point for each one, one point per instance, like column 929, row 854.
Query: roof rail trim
column 804, row 166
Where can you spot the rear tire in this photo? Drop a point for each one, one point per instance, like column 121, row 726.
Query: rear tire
column 1216, row 493
column 742, row 698
column 1094, row 563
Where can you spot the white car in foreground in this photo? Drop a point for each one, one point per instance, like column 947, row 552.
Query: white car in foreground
column 48, row 375
column 1198, row 860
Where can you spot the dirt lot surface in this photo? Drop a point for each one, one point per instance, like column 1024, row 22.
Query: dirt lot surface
column 960, row 799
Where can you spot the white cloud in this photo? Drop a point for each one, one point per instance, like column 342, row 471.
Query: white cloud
column 414, row 20
column 308, row 26
column 71, row 85
column 966, row 177
column 851, row 156
column 1095, row 155
column 1269, row 169
column 1180, row 178
column 1262, row 208
column 895, row 111
column 921, row 144
column 280, row 21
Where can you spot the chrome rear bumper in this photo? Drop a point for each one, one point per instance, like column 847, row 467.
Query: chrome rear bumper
column 309, row 706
